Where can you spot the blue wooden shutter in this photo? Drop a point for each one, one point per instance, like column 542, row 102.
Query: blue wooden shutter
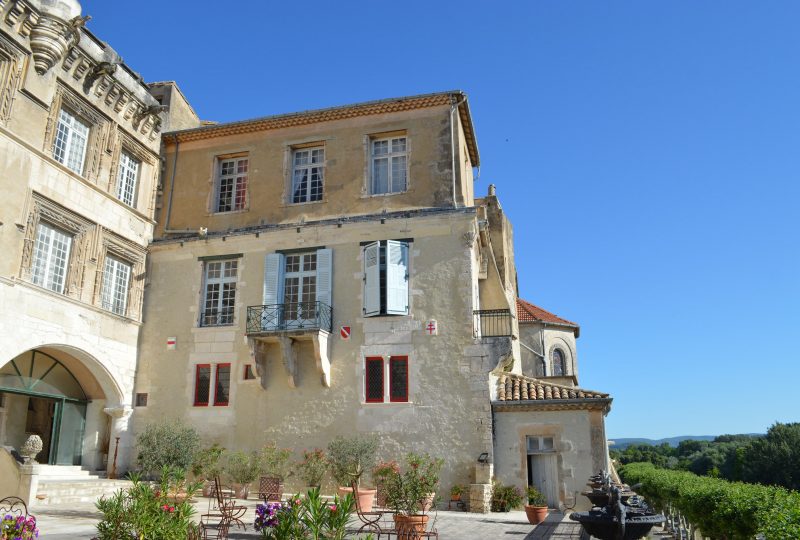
column 273, row 290
column 396, row 277
column 324, row 275
column 372, row 280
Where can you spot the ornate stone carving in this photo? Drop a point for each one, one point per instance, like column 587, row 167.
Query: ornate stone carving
column 51, row 38
column 31, row 448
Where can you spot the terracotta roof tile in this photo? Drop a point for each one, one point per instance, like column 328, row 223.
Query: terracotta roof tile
column 527, row 312
column 520, row 388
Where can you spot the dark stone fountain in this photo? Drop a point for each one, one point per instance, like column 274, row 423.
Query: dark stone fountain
column 619, row 513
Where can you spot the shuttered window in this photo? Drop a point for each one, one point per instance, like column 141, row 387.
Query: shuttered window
column 386, row 278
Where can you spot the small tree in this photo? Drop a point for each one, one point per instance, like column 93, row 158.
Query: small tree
column 349, row 458
column 275, row 461
column 206, row 463
column 242, row 468
column 166, row 444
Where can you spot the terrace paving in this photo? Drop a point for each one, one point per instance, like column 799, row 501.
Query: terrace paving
column 78, row 523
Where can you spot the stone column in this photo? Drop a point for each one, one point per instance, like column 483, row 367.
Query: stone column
column 480, row 493
column 120, row 416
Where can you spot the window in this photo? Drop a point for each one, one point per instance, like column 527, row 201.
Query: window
column 126, row 178
column 375, row 389
column 559, row 365
column 538, row 445
column 398, row 379
column 222, row 385
column 307, row 174
column 231, row 185
column 297, row 290
column 373, row 383
column 141, row 400
column 219, row 293
column 116, row 282
column 51, row 252
column 249, row 373
column 386, row 278
column 389, row 165
column 202, row 384
column 72, row 136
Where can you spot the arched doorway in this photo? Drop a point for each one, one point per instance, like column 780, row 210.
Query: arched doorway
column 42, row 396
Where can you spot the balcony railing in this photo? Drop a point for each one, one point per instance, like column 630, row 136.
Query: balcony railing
column 493, row 323
column 217, row 316
column 294, row 316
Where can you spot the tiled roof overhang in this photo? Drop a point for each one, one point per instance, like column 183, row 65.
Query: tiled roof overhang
column 517, row 391
column 384, row 106
column 591, row 404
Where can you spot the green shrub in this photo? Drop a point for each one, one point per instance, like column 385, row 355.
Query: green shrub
column 143, row 511
column 720, row 509
column 349, row 458
column 536, row 497
column 242, row 468
column 504, row 498
column 275, row 461
column 206, row 464
column 166, row 444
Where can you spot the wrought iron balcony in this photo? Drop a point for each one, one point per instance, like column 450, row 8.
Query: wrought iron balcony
column 289, row 317
column 493, row 323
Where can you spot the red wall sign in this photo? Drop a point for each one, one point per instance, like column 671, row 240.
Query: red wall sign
column 344, row 331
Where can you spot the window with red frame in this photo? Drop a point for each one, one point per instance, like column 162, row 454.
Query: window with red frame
column 373, row 383
column 202, row 383
column 222, row 385
column 398, row 378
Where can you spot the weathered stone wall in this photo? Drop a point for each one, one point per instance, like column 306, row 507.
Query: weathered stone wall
column 448, row 414
column 545, row 339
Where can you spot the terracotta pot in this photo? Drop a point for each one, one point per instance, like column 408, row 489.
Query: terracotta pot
column 536, row 514
column 366, row 497
column 410, row 527
column 241, row 491
column 455, row 498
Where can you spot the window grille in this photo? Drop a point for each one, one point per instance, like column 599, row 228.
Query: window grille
column 72, row 136
column 116, row 284
column 202, row 384
column 126, row 178
column 51, row 252
column 374, row 380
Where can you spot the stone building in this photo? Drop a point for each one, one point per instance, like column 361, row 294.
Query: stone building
column 313, row 274
column 79, row 166
column 332, row 272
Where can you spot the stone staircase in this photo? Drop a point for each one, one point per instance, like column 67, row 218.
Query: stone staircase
column 71, row 484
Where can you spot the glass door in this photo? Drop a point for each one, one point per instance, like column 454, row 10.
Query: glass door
column 69, row 425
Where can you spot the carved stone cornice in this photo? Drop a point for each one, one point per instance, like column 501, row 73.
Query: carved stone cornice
column 51, row 38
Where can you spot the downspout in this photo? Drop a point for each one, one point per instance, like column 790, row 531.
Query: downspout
column 453, row 109
column 167, row 230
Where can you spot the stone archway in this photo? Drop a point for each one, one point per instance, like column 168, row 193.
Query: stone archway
column 64, row 395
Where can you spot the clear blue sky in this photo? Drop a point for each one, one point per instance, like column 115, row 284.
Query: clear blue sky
column 648, row 154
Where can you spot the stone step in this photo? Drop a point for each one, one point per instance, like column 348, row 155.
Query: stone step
column 62, row 472
column 53, row 492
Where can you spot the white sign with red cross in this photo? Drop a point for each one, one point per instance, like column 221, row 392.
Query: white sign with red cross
column 344, row 331
column 432, row 328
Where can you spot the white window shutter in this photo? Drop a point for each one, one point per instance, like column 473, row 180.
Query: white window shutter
column 271, row 317
column 324, row 275
column 372, row 280
column 396, row 277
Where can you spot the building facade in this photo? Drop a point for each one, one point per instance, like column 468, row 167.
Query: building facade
column 79, row 155
column 284, row 279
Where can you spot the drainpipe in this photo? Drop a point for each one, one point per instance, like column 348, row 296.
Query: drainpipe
column 167, row 230
column 454, row 108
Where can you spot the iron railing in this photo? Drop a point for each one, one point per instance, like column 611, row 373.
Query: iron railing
column 292, row 316
column 217, row 316
column 493, row 323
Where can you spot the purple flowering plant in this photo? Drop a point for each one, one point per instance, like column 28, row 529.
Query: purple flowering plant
column 304, row 518
column 18, row 528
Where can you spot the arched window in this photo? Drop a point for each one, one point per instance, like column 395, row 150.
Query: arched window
column 559, row 363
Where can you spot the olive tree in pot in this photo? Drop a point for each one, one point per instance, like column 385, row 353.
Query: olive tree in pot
column 349, row 459
column 242, row 469
column 207, row 466
column 536, row 509
column 276, row 464
column 411, row 493
column 312, row 468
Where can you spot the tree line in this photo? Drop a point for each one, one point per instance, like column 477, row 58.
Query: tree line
column 772, row 459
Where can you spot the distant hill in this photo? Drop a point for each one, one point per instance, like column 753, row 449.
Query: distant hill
column 622, row 444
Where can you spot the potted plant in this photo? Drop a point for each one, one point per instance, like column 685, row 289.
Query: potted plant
column 536, row 509
column 312, row 468
column 380, row 473
column 410, row 493
column 242, row 469
column 504, row 498
column 206, row 466
column 349, row 459
column 275, row 463
column 456, row 491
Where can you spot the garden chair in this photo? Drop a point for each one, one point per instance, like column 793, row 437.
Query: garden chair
column 214, row 527
column 376, row 521
column 226, row 505
column 270, row 489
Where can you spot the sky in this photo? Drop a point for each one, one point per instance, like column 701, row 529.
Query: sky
column 647, row 153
